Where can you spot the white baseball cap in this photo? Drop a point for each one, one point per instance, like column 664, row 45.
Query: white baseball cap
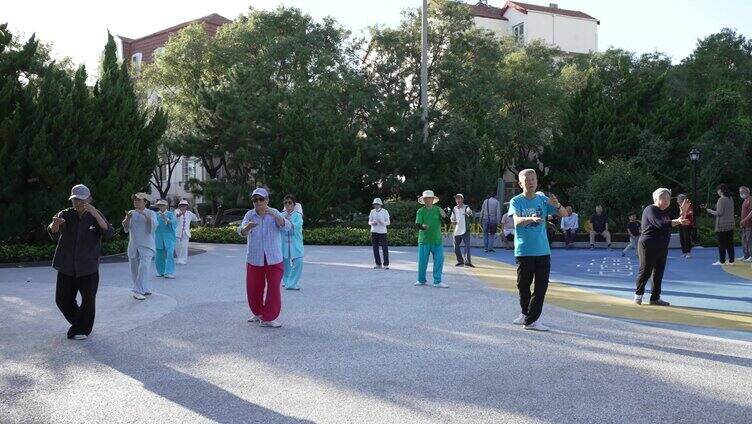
column 79, row 191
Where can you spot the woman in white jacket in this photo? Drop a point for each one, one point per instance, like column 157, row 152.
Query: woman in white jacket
column 183, row 231
column 378, row 219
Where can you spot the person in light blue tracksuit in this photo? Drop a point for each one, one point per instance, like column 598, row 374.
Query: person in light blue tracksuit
column 292, row 245
column 140, row 224
column 165, row 241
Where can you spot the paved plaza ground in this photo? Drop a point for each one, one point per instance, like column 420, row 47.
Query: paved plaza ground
column 365, row 346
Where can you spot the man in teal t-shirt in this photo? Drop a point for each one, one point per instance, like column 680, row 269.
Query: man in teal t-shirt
column 428, row 221
column 531, row 248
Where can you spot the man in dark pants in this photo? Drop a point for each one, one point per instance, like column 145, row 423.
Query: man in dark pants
column 79, row 231
column 531, row 249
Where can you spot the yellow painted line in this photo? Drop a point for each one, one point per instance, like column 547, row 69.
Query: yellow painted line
column 740, row 269
column 504, row 276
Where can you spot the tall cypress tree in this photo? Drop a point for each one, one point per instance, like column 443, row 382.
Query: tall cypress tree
column 128, row 138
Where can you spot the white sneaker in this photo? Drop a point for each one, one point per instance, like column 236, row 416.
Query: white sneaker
column 272, row 324
column 418, row 283
column 520, row 320
column 638, row 299
column 170, row 276
column 441, row 286
column 535, row 326
column 254, row 318
column 748, row 259
column 717, row 263
column 377, row 267
column 79, row 337
column 139, row 296
column 687, row 256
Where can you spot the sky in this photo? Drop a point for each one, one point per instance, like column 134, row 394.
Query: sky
column 78, row 28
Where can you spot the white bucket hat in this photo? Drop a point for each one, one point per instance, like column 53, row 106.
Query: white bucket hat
column 377, row 201
column 162, row 202
column 427, row 193
column 183, row 202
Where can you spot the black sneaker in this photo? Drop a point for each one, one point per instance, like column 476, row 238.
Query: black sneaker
column 491, row 250
column 459, row 264
column 659, row 302
column 470, row 265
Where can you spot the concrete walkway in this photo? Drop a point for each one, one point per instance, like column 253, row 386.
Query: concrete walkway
column 358, row 345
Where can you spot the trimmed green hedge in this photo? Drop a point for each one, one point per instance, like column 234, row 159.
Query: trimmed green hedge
column 13, row 253
column 334, row 236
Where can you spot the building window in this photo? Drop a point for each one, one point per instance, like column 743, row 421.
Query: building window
column 518, row 31
column 190, row 168
column 136, row 62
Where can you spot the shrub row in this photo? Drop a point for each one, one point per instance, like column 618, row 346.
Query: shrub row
column 12, row 253
column 334, row 236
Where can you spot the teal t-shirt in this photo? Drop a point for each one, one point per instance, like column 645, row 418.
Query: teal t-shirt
column 531, row 240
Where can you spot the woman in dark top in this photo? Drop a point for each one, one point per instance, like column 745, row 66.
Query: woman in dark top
column 652, row 248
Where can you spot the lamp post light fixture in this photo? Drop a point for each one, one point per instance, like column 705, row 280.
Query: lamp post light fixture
column 694, row 157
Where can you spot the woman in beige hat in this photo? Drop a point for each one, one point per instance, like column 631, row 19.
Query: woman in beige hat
column 140, row 223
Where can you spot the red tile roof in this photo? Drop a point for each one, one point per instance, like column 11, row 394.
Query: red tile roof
column 485, row 11
column 214, row 18
column 524, row 7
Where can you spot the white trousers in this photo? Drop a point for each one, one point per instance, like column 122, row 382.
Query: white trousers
column 140, row 270
column 182, row 250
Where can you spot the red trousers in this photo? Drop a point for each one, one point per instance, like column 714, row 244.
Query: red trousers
column 264, row 278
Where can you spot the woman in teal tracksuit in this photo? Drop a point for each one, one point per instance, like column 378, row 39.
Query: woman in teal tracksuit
column 165, row 240
column 292, row 245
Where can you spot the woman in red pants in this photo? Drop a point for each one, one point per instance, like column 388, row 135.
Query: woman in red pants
column 262, row 226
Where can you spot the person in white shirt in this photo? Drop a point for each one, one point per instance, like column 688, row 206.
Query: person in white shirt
column 507, row 222
column 459, row 216
column 569, row 226
column 183, row 231
column 378, row 219
column 140, row 223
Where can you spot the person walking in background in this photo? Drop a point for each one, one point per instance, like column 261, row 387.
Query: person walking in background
column 183, row 231
column 79, row 231
column 507, row 231
column 531, row 250
column 263, row 227
column 652, row 247
column 378, row 219
column 686, row 231
column 428, row 221
column 490, row 216
column 633, row 230
column 745, row 222
column 599, row 222
column 724, row 225
column 140, row 223
column 459, row 216
column 292, row 245
column 164, row 239
column 569, row 226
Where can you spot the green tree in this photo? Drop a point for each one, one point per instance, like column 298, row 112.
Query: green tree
column 620, row 187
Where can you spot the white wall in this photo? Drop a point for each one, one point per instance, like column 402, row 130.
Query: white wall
column 497, row 26
column 574, row 35
column 178, row 180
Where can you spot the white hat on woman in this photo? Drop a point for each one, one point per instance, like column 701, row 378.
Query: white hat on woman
column 427, row 193
column 377, row 201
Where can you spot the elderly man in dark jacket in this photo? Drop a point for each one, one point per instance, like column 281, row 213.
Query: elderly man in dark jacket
column 79, row 231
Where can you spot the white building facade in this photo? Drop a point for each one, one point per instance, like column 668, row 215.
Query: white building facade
column 571, row 31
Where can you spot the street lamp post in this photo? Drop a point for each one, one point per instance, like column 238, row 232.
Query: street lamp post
column 424, row 69
column 694, row 157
